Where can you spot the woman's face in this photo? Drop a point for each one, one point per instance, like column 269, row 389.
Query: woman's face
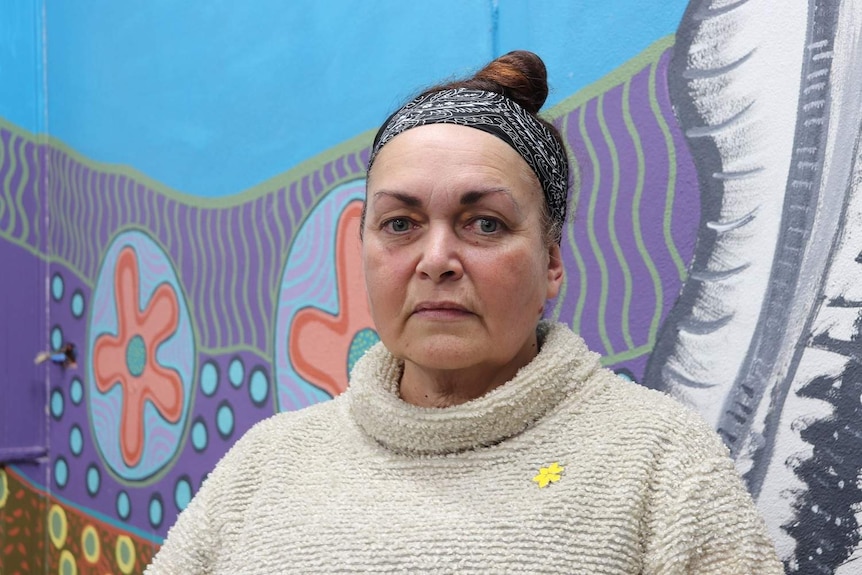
column 456, row 265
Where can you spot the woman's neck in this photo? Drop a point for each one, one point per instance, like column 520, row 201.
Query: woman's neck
column 444, row 388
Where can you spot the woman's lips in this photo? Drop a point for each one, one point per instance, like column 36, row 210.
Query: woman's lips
column 441, row 310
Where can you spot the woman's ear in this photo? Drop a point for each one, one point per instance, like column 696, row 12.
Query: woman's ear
column 556, row 271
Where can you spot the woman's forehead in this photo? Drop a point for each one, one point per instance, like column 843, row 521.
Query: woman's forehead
column 447, row 154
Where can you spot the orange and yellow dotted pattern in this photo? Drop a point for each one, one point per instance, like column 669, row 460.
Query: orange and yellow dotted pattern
column 77, row 544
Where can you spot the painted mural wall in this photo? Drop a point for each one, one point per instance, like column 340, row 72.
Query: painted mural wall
column 180, row 189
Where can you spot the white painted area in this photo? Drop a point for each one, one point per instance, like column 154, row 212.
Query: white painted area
column 749, row 112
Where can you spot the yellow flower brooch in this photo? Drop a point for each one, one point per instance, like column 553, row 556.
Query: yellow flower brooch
column 549, row 474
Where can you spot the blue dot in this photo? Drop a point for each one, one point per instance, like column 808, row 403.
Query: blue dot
column 199, row 435
column 235, row 372
column 56, row 338
column 209, row 378
column 61, row 472
column 136, row 356
column 156, row 510
column 224, row 420
column 258, row 388
column 57, row 287
column 182, row 493
column 76, row 391
column 77, row 304
column 76, row 440
column 93, row 480
column 124, row 506
column 57, row 404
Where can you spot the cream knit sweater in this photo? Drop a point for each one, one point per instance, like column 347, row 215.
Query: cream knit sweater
column 366, row 483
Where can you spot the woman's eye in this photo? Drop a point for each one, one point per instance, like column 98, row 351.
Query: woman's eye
column 398, row 225
column 488, row 226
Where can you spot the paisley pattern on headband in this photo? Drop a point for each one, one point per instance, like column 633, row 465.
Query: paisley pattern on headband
column 498, row 115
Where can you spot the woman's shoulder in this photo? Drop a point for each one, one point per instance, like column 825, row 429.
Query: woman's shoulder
column 297, row 426
column 638, row 410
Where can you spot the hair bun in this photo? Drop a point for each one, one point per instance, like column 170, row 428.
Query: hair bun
column 519, row 75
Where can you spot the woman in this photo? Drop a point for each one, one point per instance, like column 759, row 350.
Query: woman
column 474, row 438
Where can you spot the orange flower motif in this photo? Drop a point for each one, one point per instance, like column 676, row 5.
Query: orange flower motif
column 320, row 342
column 129, row 359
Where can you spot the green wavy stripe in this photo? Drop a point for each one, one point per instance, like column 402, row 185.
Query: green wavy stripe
column 291, row 216
column 99, row 202
column 111, row 202
column 19, row 196
column 612, row 228
column 77, row 221
column 79, row 202
column 7, row 185
column 219, row 307
column 261, row 286
column 626, row 355
column 210, row 264
column 671, row 174
column 636, row 216
column 591, row 232
column 72, row 209
column 4, row 201
column 164, row 213
column 196, row 241
column 60, row 217
column 231, row 236
column 574, row 201
column 233, row 349
column 246, row 257
column 273, row 273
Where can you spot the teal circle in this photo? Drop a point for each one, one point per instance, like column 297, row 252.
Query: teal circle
column 258, row 386
column 224, row 420
column 156, row 511
column 136, row 356
column 61, row 472
column 362, row 342
column 90, row 544
column 209, row 378
column 199, row 435
column 57, row 287
column 77, row 304
column 124, row 553
column 57, row 403
column 124, row 506
column 182, row 493
column 66, row 567
column 76, row 440
column 76, row 391
column 56, row 523
column 94, row 479
column 236, row 372
column 56, row 338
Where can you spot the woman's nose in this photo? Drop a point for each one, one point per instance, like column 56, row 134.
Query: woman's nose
column 440, row 259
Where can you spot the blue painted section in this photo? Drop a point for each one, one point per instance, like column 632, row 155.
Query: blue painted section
column 583, row 40
column 212, row 98
column 21, row 70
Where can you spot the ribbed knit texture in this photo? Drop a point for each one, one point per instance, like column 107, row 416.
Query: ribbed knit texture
column 366, row 483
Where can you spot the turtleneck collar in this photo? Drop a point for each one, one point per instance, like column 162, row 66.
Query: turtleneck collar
column 557, row 371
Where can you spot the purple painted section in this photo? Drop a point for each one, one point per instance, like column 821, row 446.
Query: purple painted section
column 22, row 334
column 604, row 328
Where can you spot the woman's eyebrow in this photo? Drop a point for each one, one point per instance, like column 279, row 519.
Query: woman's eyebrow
column 406, row 199
column 474, row 197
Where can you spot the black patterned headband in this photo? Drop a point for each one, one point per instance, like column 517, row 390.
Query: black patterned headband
column 498, row 115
